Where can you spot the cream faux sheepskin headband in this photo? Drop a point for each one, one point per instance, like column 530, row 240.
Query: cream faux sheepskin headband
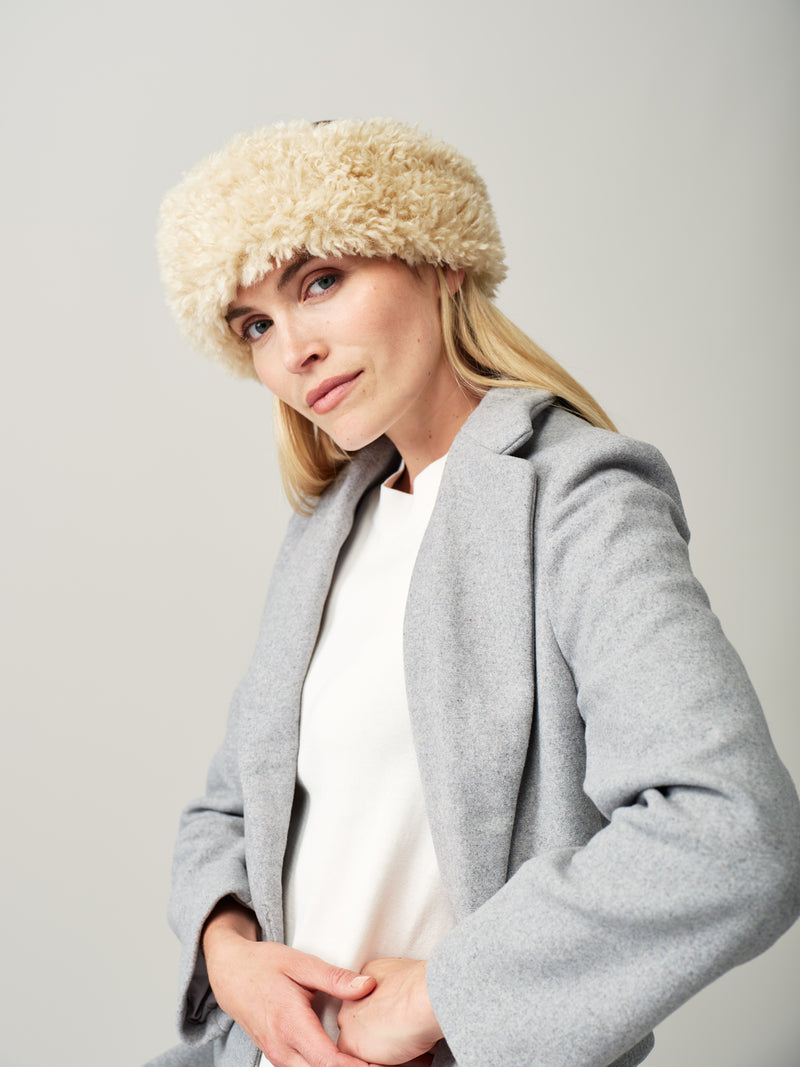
column 370, row 188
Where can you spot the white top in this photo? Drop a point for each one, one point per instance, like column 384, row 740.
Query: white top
column 361, row 880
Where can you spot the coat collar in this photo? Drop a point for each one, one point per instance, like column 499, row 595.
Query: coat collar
column 504, row 419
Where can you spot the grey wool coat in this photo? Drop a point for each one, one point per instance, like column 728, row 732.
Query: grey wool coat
column 612, row 824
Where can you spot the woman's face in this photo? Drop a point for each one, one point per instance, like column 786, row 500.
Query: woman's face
column 352, row 344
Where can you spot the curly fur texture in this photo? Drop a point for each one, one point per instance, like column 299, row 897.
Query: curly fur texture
column 370, row 188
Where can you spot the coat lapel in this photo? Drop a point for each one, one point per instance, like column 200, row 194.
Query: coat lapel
column 468, row 645
column 291, row 621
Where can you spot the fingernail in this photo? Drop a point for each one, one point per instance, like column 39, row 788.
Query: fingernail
column 357, row 982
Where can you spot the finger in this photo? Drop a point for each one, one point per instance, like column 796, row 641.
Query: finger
column 420, row 1061
column 318, row 1050
column 358, row 987
column 298, row 1040
column 298, row 1059
column 316, row 974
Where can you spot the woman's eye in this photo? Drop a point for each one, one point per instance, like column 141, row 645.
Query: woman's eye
column 319, row 285
column 256, row 329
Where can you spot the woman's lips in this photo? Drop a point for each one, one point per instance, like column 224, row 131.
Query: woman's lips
column 328, row 394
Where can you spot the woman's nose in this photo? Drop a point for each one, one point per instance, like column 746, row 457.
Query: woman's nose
column 300, row 346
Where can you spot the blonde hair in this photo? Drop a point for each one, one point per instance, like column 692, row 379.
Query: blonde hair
column 484, row 349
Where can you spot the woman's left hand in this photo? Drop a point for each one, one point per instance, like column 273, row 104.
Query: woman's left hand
column 395, row 1023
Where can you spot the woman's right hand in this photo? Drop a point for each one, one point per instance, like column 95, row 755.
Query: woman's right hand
column 268, row 988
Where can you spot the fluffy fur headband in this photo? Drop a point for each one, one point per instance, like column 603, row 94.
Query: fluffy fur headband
column 370, row 188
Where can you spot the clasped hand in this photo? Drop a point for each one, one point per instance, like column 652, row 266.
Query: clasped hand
column 394, row 1023
column 268, row 988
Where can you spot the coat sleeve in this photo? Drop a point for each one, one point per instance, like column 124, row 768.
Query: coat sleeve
column 696, row 870
column 210, row 860
column 209, row 864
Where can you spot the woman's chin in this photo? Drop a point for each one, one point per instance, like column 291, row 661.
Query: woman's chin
column 353, row 439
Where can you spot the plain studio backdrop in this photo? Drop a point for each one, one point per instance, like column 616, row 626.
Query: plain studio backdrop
column 644, row 162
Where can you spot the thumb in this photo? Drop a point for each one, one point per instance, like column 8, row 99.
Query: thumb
column 358, row 986
column 340, row 982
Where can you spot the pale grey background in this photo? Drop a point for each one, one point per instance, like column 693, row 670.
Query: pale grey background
column 644, row 162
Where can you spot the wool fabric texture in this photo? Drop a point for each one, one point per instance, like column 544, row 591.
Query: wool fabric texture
column 374, row 187
column 612, row 824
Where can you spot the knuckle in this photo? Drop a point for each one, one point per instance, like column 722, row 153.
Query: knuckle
column 329, row 1059
column 340, row 976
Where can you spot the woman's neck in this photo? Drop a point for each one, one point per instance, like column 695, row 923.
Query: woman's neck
column 428, row 438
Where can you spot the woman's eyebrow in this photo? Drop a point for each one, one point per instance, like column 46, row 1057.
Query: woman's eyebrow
column 289, row 272
column 236, row 313
column 286, row 276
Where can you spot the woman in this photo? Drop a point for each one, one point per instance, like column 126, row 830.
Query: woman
column 495, row 786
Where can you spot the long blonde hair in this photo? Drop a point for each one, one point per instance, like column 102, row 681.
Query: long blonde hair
column 484, row 349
